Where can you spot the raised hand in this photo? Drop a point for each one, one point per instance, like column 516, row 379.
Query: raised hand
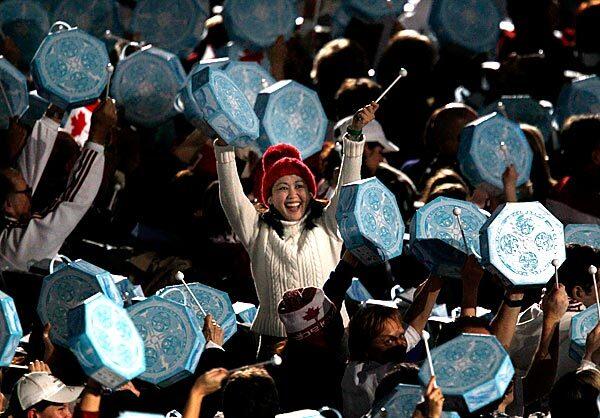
column 104, row 119
column 592, row 343
column 39, row 366
column 555, row 304
column 210, row 381
column 212, row 331
column 509, row 179
column 363, row 116
column 105, row 114
column 434, row 399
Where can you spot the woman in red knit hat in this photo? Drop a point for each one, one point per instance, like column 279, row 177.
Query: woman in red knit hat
column 295, row 242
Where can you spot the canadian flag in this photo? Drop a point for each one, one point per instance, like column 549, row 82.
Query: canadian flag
column 79, row 121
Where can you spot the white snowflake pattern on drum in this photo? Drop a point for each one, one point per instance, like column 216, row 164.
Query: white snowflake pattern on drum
column 520, row 241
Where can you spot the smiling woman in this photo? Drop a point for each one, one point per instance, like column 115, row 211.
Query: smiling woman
column 293, row 241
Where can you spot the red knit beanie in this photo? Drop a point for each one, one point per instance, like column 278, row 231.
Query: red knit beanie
column 284, row 160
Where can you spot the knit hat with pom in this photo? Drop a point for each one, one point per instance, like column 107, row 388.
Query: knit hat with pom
column 284, row 160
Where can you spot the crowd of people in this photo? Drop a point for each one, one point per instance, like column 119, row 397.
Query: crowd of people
column 148, row 202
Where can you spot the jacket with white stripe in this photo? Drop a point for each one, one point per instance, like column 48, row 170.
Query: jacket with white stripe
column 43, row 235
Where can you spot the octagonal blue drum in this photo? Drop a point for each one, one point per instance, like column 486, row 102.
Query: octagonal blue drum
column 26, row 23
column 581, row 96
column 436, row 238
column 523, row 109
column 292, row 114
column 172, row 337
column 257, row 24
column 474, row 369
column 210, row 100
column 145, row 84
column 174, row 25
column 67, row 287
column 374, row 11
column 369, row 221
column 14, row 98
column 105, row 341
column 250, row 78
column 70, row 67
column 482, row 157
column 581, row 325
column 583, row 234
column 93, row 16
column 519, row 241
column 214, row 302
column 11, row 331
column 474, row 25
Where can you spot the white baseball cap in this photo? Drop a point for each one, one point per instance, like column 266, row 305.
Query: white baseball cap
column 35, row 387
column 373, row 132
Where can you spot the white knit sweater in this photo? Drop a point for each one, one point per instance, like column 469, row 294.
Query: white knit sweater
column 302, row 258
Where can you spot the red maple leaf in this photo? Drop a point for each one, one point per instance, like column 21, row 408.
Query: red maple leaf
column 77, row 124
column 311, row 313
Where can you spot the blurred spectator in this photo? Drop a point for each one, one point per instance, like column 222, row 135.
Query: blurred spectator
column 406, row 108
column 336, row 61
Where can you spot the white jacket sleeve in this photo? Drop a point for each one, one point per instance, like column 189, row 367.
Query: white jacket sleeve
column 37, row 150
column 240, row 212
column 43, row 236
column 349, row 172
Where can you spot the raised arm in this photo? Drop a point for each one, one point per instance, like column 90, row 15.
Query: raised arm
column 352, row 159
column 471, row 275
column 341, row 278
column 419, row 311
column 240, row 212
column 43, row 236
column 208, row 383
column 37, row 149
column 505, row 322
column 542, row 372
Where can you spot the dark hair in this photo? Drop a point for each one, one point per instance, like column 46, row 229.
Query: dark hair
column 366, row 324
column 250, row 393
column 540, row 169
column 580, row 136
column 410, row 50
column 336, row 61
column 15, row 410
column 438, row 130
column 444, row 180
column 454, row 329
column 528, row 12
column 587, row 31
column 273, row 218
column 353, row 94
column 405, row 373
column 574, row 271
column 214, row 220
column 6, row 187
column 576, row 391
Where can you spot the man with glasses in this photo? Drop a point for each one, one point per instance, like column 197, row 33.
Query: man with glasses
column 30, row 237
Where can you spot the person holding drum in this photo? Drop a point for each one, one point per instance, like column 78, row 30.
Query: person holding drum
column 291, row 237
